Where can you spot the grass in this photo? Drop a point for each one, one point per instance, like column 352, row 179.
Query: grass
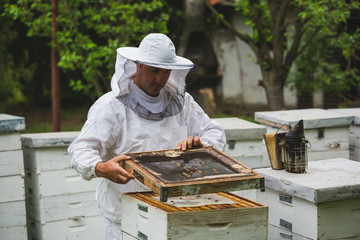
column 39, row 120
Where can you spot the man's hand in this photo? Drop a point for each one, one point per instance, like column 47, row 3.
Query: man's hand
column 113, row 171
column 190, row 143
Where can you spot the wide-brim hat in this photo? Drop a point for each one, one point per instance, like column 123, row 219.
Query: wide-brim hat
column 156, row 50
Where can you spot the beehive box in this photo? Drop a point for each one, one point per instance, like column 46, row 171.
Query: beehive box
column 323, row 203
column 354, row 131
column 74, row 228
column 244, row 141
column 208, row 216
column 12, row 193
column 56, row 196
column 173, row 172
column 327, row 132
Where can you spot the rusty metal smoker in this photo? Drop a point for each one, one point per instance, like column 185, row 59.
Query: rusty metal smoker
column 288, row 150
column 295, row 144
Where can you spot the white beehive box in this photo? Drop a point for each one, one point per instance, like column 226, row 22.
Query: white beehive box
column 323, row 203
column 75, row 228
column 327, row 132
column 12, row 193
column 55, row 194
column 354, row 131
column 244, row 141
column 209, row 216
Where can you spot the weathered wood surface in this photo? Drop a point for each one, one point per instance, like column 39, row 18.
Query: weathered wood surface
column 180, row 173
column 299, row 217
column 325, row 180
column 46, row 159
column 77, row 228
column 12, row 188
column 10, row 123
column 18, row 233
column 11, row 163
column 62, row 207
column 10, row 141
column 12, row 214
column 313, row 118
column 160, row 221
column 59, row 182
column 239, row 129
column 52, row 139
column 349, row 111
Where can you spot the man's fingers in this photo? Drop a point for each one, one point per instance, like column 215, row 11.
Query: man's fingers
column 190, row 142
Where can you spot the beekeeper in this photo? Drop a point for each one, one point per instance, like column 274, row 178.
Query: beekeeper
column 147, row 109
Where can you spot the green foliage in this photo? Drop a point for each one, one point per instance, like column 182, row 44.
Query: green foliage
column 329, row 64
column 12, row 70
column 327, row 51
column 89, row 32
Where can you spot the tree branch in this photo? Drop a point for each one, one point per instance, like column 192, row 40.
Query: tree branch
column 71, row 15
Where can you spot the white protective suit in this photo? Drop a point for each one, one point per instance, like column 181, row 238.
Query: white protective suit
column 115, row 126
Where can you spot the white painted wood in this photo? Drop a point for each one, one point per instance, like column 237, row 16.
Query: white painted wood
column 12, row 188
column 62, row 207
column 244, row 141
column 276, row 233
column 354, row 132
column 12, row 214
column 59, row 182
column 126, row 236
column 10, row 141
column 327, row 220
column 214, row 224
column 51, row 139
column 81, row 228
column 244, row 148
column 11, row 123
column 325, row 180
column 14, row 233
column 239, row 129
column 11, row 163
column 349, row 111
column 355, row 153
column 313, row 118
column 46, row 159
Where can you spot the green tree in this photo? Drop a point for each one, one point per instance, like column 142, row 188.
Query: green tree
column 12, row 69
column 90, row 32
column 281, row 31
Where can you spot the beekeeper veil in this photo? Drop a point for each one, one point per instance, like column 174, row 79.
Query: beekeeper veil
column 156, row 50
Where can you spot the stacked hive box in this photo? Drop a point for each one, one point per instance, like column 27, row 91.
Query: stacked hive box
column 12, row 195
column 354, row 131
column 244, row 144
column 209, row 216
column 323, row 203
column 244, row 141
column 327, row 132
column 59, row 203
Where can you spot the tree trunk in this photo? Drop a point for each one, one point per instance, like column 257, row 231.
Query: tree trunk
column 274, row 90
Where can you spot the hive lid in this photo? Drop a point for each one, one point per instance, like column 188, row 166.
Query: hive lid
column 171, row 173
column 239, row 129
column 324, row 180
column 313, row 118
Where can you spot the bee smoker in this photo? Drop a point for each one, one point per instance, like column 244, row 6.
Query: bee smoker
column 295, row 149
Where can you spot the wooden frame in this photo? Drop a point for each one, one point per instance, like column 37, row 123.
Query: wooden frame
column 171, row 173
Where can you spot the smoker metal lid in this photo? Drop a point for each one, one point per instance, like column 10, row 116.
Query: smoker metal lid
column 171, row 173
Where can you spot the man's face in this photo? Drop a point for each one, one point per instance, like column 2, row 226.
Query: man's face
column 151, row 79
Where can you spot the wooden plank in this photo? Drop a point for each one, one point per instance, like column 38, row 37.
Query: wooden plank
column 11, row 163
column 12, row 188
column 10, row 141
column 12, row 214
column 175, row 175
column 18, row 233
